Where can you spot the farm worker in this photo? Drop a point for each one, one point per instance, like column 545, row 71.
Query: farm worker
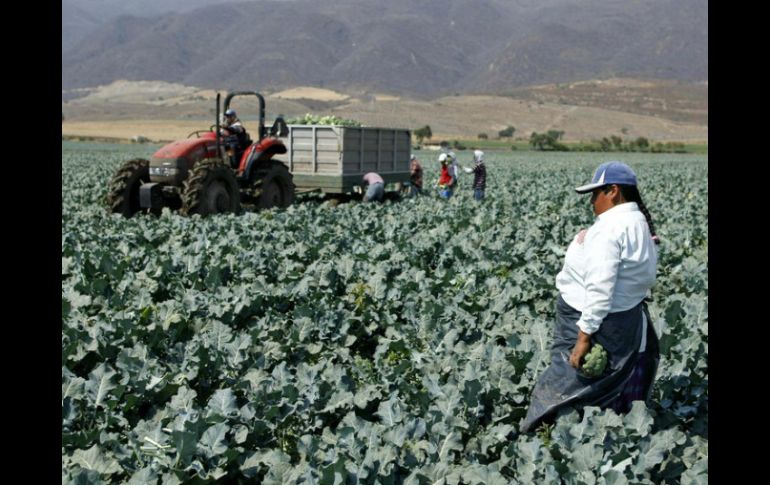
column 444, row 179
column 233, row 126
column 415, row 177
column 375, row 190
column 454, row 168
column 479, row 172
column 608, row 271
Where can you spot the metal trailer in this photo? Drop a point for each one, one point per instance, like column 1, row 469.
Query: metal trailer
column 334, row 159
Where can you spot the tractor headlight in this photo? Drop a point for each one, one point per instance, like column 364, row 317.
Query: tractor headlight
column 163, row 171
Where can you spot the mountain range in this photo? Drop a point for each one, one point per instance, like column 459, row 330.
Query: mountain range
column 423, row 48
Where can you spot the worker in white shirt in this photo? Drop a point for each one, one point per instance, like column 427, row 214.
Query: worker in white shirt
column 608, row 271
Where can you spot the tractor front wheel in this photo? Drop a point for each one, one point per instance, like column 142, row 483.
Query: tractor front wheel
column 123, row 191
column 211, row 188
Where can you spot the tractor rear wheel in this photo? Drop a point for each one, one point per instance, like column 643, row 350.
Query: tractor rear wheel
column 211, row 188
column 272, row 185
column 123, row 191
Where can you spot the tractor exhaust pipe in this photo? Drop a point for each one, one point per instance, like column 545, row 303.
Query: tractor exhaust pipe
column 219, row 150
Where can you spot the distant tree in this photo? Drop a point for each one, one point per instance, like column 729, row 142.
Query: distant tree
column 593, row 146
column 605, row 144
column 537, row 140
column 506, row 133
column 547, row 141
column 676, row 147
column 422, row 133
column 482, row 136
column 669, row 147
column 617, row 141
column 643, row 143
column 553, row 139
column 555, row 134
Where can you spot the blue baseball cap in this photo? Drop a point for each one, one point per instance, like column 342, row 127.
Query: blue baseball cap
column 609, row 173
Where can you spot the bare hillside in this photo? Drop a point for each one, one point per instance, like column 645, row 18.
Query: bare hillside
column 158, row 109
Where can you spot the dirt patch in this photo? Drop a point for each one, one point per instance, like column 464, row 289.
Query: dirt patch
column 670, row 100
column 468, row 116
column 317, row 94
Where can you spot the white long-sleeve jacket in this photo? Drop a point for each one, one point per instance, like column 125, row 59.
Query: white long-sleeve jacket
column 609, row 268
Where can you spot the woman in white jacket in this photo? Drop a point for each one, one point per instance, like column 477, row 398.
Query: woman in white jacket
column 608, row 271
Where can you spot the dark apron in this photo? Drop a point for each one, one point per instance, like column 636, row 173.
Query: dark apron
column 560, row 387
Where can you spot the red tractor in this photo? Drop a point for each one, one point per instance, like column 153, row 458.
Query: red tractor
column 208, row 173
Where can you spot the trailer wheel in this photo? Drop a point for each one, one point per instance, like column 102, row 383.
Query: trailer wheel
column 123, row 190
column 272, row 185
column 211, row 188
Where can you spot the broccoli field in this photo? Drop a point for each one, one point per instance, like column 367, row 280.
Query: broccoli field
column 384, row 343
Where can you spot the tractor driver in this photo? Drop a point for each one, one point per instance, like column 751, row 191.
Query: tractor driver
column 232, row 126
